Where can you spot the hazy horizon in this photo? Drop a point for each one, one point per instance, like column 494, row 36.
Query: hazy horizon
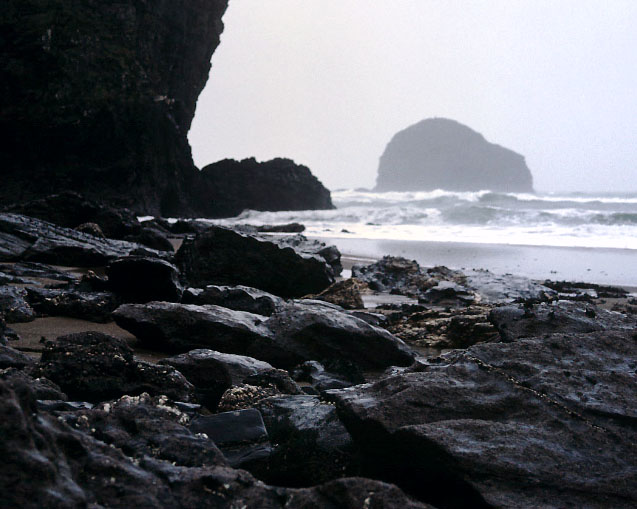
column 328, row 83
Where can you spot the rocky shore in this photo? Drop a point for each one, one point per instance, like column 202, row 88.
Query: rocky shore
column 242, row 371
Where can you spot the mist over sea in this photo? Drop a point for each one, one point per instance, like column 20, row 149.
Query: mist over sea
column 521, row 233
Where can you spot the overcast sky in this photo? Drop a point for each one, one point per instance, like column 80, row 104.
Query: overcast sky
column 329, row 82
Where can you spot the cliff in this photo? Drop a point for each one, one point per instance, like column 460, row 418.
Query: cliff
column 98, row 96
column 439, row 153
column 228, row 187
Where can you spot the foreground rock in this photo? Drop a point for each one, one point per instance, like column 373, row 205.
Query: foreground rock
column 142, row 279
column 439, row 153
column 540, row 422
column 279, row 184
column 24, row 238
column 95, row 367
column 299, row 332
column 212, row 373
column 345, row 293
column 14, row 305
column 239, row 298
column 221, row 256
column 94, row 306
column 48, row 463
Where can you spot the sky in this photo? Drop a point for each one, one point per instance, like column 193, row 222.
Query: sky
column 329, row 82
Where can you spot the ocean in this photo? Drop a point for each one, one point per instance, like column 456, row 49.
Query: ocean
column 576, row 236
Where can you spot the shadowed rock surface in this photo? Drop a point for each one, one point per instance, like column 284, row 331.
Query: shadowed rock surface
column 540, row 422
column 142, row 279
column 221, row 256
column 80, row 79
column 240, row 298
column 279, row 184
column 438, row 153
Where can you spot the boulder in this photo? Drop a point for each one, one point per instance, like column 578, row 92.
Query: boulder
column 241, row 436
column 314, row 373
column 143, row 279
column 239, row 298
column 212, row 373
column 303, row 330
column 439, row 153
column 14, row 305
column 11, row 358
column 221, row 256
column 34, row 240
column 345, row 293
column 37, row 271
column 74, row 303
column 281, row 228
column 279, row 184
column 94, row 367
column 312, row 445
column 540, row 422
column 515, row 322
column 99, row 99
column 146, row 426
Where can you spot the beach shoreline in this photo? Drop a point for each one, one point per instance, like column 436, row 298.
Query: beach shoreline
column 586, row 265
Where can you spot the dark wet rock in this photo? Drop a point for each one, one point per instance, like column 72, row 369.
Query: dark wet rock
column 34, row 240
column 314, row 373
column 244, row 396
column 515, row 322
column 188, row 226
column 95, row 367
column 103, row 105
column 520, row 424
column 145, row 426
column 92, row 229
column 11, row 358
column 143, row 279
column 449, row 328
column 180, row 328
column 312, row 445
column 48, row 463
column 281, row 228
column 279, row 184
column 240, row 298
column 241, row 436
column 38, row 271
column 312, row 248
column 585, row 291
column 57, row 405
column 277, row 379
column 41, row 387
column 448, row 292
column 402, row 276
column 72, row 210
column 14, row 305
column 312, row 330
column 304, row 330
column 220, row 256
column 438, row 153
column 495, row 288
column 212, row 373
column 152, row 238
column 346, row 294
column 74, row 303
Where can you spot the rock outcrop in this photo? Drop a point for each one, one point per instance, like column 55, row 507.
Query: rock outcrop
column 438, row 153
column 279, row 184
column 99, row 97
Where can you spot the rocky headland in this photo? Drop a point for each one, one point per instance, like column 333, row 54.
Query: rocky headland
column 439, row 153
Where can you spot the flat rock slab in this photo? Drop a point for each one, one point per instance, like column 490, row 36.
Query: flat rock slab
column 25, row 238
column 308, row 330
column 541, row 422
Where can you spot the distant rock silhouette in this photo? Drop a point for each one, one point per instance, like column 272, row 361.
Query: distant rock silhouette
column 439, row 153
column 279, row 184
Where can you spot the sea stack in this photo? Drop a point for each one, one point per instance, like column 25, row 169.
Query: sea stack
column 439, row 153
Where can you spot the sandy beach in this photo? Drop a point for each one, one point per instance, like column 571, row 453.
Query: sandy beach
column 600, row 266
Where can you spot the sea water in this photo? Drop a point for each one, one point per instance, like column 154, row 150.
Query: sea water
column 514, row 232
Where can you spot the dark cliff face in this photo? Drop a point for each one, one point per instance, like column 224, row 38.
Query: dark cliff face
column 98, row 97
column 443, row 154
column 228, row 187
